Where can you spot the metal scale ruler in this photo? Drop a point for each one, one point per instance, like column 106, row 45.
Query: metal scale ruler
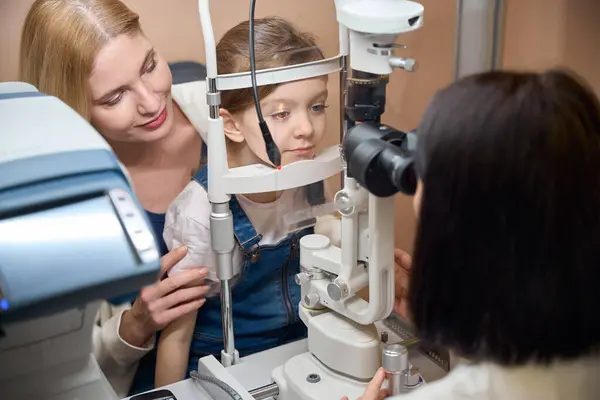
column 403, row 329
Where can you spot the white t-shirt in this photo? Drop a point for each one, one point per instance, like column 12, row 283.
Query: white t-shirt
column 561, row 381
column 188, row 222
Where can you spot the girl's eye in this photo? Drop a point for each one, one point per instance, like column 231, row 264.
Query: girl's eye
column 281, row 115
column 318, row 108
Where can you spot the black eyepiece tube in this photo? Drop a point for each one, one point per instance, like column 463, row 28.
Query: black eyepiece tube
column 381, row 159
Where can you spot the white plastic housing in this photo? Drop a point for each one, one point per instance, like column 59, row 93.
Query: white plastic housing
column 293, row 385
column 367, row 59
column 374, row 26
column 318, row 253
column 379, row 17
column 51, row 358
column 339, row 342
column 259, row 178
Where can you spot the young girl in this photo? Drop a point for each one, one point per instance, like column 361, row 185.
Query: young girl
column 265, row 296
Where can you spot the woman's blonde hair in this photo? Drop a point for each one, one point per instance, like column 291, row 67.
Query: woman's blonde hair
column 60, row 41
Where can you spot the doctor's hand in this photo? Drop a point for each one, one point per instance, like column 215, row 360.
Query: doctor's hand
column 164, row 301
column 374, row 390
column 403, row 264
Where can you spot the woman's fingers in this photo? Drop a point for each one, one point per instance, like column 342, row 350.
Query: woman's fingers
column 401, row 282
column 152, row 293
column 185, row 279
column 403, row 259
column 373, row 390
column 401, row 308
column 170, row 315
column 180, row 296
column 170, row 259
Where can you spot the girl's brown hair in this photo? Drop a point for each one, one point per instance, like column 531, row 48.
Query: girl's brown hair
column 277, row 43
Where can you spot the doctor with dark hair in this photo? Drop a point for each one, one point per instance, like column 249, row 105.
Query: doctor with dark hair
column 507, row 256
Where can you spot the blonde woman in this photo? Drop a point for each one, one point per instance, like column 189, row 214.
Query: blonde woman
column 93, row 55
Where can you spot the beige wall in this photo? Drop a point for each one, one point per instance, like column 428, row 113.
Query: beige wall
column 533, row 34
column 538, row 34
column 174, row 29
column 544, row 34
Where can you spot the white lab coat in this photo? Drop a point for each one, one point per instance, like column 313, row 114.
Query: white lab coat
column 579, row 379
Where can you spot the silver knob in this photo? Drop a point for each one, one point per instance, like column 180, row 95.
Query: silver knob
column 395, row 363
column 337, row 291
column 407, row 64
column 311, row 299
column 395, row 358
column 411, row 379
column 301, row 278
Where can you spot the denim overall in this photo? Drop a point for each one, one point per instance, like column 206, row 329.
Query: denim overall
column 265, row 295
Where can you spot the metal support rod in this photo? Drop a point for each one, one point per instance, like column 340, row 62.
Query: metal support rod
column 222, row 235
column 227, row 318
column 213, row 109
column 499, row 19
column 265, row 392
column 479, row 27
column 223, row 244
column 343, row 78
column 343, row 123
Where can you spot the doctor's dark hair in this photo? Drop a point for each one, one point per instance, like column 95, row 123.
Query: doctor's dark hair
column 278, row 43
column 507, row 255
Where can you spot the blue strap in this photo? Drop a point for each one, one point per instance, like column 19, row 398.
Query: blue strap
column 244, row 231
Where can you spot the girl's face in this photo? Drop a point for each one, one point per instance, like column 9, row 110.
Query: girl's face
column 131, row 91
column 295, row 114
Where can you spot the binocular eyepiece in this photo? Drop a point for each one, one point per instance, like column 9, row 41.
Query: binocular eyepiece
column 381, row 158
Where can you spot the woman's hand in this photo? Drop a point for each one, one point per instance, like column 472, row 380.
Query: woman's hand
column 374, row 390
column 402, row 268
column 164, row 301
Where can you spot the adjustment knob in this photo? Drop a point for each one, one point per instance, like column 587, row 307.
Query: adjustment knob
column 395, row 358
column 407, row 64
column 337, row 291
column 302, row 278
column 395, row 363
column 411, row 379
column 314, row 242
column 311, row 299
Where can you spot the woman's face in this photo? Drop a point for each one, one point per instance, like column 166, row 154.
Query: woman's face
column 130, row 87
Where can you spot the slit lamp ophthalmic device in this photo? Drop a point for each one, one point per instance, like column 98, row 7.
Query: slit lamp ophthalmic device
column 376, row 162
